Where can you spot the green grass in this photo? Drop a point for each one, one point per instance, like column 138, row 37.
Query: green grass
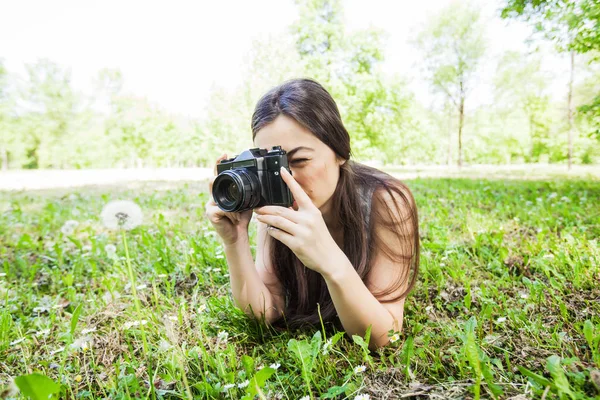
column 507, row 302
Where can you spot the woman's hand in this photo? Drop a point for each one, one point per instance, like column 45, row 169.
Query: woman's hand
column 230, row 226
column 304, row 231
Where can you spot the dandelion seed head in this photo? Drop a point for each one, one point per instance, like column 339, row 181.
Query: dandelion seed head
column 121, row 214
column 69, row 227
column 110, row 250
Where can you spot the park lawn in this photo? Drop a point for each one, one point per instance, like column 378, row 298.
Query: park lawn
column 507, row 301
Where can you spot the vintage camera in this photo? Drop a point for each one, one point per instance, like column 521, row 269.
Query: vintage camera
column 252, row 179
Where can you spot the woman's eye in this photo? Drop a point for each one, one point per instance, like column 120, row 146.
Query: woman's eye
column 298, row 160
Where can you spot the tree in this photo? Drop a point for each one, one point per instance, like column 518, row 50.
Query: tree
column 521, row 86
column 373, row 107
column 573, row 26
column 453, row 45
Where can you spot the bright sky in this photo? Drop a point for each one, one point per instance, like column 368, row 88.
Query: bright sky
column 173, row 52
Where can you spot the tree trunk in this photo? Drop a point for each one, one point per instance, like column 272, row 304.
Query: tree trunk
column 449, row 157
column 4, row 155
column 461, row 118
column 570, row 108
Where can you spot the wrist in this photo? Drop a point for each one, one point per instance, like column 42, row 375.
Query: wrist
column 243, row 239
column 339, row 267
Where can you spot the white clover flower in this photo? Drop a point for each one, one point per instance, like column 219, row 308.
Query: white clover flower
column 243, row 384
column 201, row 308
column 275, row 365
column 305, row 398
column 121, row 214
column 359, row 369
column 501, row 320
column 394, row 338
column 363, row 397
column 130, row 324
column 228, row 386
column 222, row 336
column 111, row 250
column 82, row 343
column 69, row 227
column 326, row 347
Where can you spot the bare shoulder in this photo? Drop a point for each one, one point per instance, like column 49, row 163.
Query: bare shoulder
column 394, row 205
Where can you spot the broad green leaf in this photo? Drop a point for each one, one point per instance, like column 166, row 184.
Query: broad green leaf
column 258, row 380
column 334, row 391
column 248, row 364
column 75, row 318
column 539, row 379
column 302, row 350
column 560, row 380
column 315, row 343
column 588, row 332
column 37, row 386
column 489, row 379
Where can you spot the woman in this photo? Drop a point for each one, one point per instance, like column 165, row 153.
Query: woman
column 347, row 252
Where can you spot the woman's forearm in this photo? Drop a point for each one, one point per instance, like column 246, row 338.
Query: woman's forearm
column 356, row 306
column 247, row 287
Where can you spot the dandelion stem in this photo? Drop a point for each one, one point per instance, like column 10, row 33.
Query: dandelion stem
column 136, row 301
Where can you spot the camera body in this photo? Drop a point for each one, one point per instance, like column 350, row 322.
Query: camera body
column 252, row 179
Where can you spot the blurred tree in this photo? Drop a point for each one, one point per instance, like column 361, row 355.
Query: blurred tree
column 7, row 136
column 48, row 113
column 573, row 26
column 522, row 87
column 453, row 45
column 374, row 108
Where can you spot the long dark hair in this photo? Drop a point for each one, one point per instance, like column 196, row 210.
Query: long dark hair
column 309, row 104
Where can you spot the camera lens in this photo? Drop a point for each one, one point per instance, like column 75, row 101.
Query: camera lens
column 232, row 192
column 236, row 190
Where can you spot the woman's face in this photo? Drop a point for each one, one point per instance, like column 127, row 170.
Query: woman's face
column 313, row 164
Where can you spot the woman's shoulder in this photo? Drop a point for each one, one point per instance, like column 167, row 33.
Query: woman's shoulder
column 383, row 191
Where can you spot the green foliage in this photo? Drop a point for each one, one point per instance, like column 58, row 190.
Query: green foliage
column 509, row 271
column 37, row 386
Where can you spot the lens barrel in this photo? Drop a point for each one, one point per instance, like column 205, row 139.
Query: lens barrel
column 236, row 190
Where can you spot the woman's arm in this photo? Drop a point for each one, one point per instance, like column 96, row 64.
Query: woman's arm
column 358, row 308
column 249, row 280
column 354, row 301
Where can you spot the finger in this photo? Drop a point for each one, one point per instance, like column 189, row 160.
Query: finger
column 222, row 157
column 282, row 236
column 210, row 185
column 280, row 211
column 279, row 223
column 299, row 194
